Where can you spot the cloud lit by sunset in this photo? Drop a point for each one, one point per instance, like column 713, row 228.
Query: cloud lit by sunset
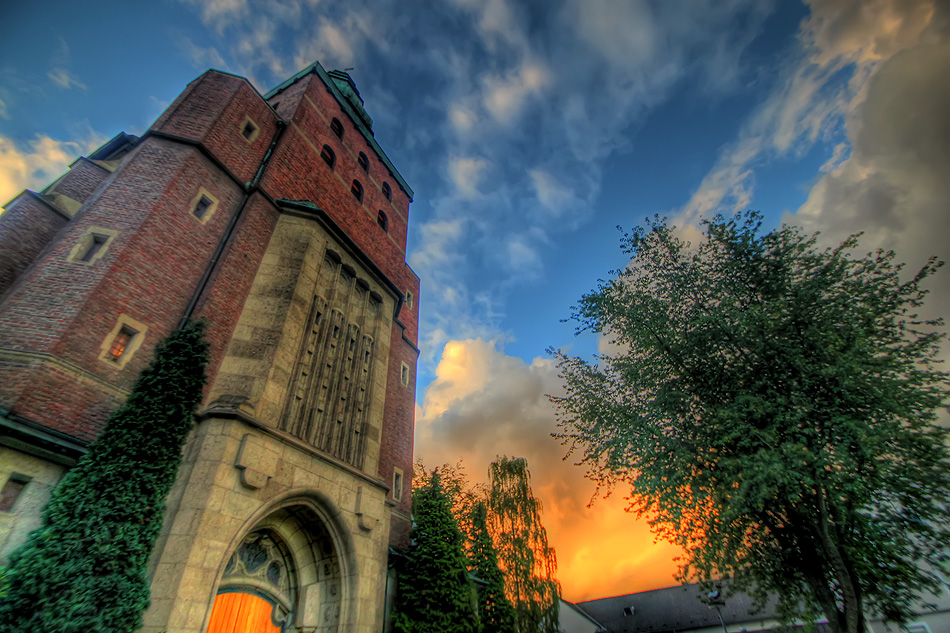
column 529, row 130
column 484, row 403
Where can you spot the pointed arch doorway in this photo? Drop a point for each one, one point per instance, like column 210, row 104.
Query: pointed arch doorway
column 285, row 573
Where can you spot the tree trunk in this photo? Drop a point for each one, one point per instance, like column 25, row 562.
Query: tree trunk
column 853, row 610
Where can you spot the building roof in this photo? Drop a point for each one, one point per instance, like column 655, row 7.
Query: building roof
column 671, row 609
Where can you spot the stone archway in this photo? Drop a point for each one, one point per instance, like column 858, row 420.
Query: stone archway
column 285, row 573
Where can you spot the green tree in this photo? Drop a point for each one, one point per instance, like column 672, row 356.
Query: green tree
column 527, row 562
column 495, row 610
column 773, row 407
column 435, row 593
column 84, row 568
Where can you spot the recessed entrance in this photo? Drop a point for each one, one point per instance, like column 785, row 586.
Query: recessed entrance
column 285, row 574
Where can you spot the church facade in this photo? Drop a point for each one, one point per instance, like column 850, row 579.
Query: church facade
column 280, row 220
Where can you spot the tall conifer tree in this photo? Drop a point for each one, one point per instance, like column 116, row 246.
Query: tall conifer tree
column 84, row 569
column 495, row 610
column 435, row 594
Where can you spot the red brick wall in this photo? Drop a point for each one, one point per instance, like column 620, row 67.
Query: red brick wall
column 81, row 180
column 149, row 272
column 212, row 112
column 155, row 263
column 398, row 426
column 26, row 227
column 229, row 286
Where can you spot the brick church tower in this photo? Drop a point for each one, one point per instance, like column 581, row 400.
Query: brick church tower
column 280, row 220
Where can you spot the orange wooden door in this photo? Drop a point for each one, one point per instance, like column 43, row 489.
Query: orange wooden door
column 241, row 613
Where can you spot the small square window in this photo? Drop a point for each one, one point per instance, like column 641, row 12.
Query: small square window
column 249, row 130
column 121, row 343
column 118, row 347
column 203, row 205
column 404, row 375
column 95, row 245
column 11, row 491
column 91, row 246
column 201, row 208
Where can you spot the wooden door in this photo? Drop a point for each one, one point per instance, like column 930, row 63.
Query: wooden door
column 241, row 613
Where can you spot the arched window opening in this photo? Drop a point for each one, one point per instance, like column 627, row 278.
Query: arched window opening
column 328, row 156
column 382, row 221
column 387, row 191
column 357, row 190
column 363, row 161
column 337, row 127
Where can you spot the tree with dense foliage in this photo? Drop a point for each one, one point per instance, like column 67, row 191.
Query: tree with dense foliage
column 494, row 609
column 455, row 484
column 773, row 407
column 527, row 562
column 84, row 568
column 435, row 593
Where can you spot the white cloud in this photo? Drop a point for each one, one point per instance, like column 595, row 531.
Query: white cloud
column 43, row 160
column 810, row 98
column 524, row 260
column 504, row 97
column 552, row 194
column 202, row 57
column 624, row 33
column 466, row 174
column 462, row 118
column 334, row 44
column 894, row 185
column 64, row 79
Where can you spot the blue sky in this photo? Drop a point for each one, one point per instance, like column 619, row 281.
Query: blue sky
column 529, row 130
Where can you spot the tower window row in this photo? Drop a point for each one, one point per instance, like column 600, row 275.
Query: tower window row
column 329, row 157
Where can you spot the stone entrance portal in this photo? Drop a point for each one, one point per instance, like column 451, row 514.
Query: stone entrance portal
column 285, row 574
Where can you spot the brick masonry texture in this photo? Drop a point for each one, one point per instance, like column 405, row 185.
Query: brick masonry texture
column 28, row 226
column 56, row 314
column 81, row 180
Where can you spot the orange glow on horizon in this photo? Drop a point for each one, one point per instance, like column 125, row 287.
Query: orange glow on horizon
column 484, row 404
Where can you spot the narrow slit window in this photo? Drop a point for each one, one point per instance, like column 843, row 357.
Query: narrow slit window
column 397, row 484
column 357, row 190
column 337, row 127
column 328, row 156
column 387, row 191
column 121, row 343
column 201, row 207
column 12, row 490
column 363, row 161
column 404, row 375
column 96, row 243
column 382, row 221
column 408, row 299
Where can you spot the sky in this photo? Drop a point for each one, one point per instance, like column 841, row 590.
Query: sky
column 530, row 130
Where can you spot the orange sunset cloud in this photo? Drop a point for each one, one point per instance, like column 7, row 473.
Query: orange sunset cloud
column 484, row 403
